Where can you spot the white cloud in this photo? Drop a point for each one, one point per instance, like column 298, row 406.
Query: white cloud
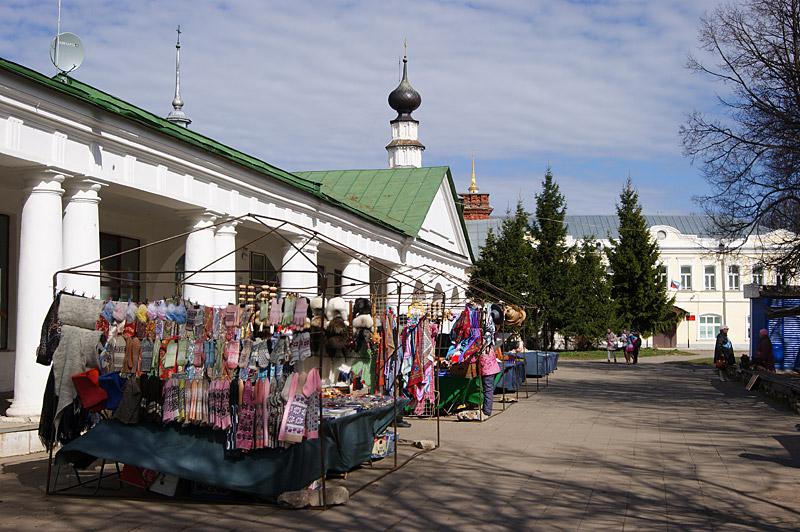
column 304, row 84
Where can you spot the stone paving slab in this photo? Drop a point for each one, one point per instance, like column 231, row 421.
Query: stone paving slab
column 604, row 447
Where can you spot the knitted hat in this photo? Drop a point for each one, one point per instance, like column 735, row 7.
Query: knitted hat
column 108, row 311
column 161, row 310
column 120, row 308
column 130, row 314
column 92, row 396
column 141, row 312
column 152, row 311
column 179, row 314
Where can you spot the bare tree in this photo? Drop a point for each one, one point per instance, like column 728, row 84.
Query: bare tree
column 751, row 156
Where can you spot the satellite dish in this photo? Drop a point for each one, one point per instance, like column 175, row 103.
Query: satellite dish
column 66, row 52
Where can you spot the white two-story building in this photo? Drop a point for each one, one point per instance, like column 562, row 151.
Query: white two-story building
column 707, row 280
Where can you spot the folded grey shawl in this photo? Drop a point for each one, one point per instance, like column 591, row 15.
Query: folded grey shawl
column 79, row 311
column 76, row 352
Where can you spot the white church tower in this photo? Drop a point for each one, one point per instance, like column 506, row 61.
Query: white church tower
column 405, row 149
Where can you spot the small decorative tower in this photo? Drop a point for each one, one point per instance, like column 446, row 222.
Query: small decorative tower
column 177, row 116
column 405, row 149
column 476, row 205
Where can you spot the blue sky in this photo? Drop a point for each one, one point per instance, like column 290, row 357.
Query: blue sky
column 595, row 89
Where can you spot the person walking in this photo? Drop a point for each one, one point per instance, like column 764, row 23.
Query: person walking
column 628, row 346
column 637, row 344
column 764, row 357
column 723, row 353
column 611, row 345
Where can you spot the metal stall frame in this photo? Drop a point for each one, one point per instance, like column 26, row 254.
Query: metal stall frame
column 321, row 286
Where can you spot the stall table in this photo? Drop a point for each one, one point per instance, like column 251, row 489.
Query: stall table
column 198, row 453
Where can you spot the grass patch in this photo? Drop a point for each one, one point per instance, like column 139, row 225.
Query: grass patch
column 602, row 355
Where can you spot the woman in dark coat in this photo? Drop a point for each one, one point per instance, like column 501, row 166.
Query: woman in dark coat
column 723, row 351
column 764, row 357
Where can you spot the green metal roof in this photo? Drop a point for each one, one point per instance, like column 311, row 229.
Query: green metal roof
column 401, row 197
column 93, row 96
column 397, row 198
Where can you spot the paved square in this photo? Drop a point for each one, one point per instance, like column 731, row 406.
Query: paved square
column 605, row 447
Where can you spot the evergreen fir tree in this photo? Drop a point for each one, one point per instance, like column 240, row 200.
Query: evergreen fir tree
column 551, row 257
column 640, row 296
column 588, row 297
column 505, row 260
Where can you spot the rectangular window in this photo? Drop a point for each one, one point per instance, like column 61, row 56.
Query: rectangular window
column 662, row 274
column 686, row 277
column 709, row 325
column 337, row 283
column 120, row 279
column 258, row 268
column 758, row 275
column 782, row 276
column 4, row 242
column 710, row 277
column 733, row 277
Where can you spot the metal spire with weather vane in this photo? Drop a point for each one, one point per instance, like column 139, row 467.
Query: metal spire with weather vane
column 177, row 116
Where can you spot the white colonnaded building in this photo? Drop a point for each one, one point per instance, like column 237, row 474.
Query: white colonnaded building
column 85, row 175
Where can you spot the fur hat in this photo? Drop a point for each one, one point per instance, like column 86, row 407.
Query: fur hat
column 336, row 327
column 361, row 306
column 336, row 334
column 336, row 307
column 363, row 321
column 316, row 304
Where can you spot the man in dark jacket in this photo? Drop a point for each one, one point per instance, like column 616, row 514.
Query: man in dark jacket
column 723, row 351
column 637, row 344
column 763, row 357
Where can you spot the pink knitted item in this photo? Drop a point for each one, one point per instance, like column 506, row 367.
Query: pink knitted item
column 312, row 388
column 300, row 312
column 275, row 312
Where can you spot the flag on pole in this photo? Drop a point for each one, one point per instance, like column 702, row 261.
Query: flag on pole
column 675, row 285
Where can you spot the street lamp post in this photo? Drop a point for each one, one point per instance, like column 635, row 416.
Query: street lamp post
column 724, row 276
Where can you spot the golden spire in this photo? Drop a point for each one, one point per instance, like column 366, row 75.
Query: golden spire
column 473, row 187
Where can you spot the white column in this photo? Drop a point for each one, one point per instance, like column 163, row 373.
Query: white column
column 299, row 268
column 81, row 236
column 39, row 258
column 200, row 252
column 225, row 246
column 355, row 271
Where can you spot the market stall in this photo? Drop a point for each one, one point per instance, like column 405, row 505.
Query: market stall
column 252, row 397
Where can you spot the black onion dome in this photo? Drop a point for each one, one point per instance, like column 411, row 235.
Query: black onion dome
column 404, row 99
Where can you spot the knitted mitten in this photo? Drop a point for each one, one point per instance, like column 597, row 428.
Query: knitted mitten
column 275, row 306
column 300, row 311
column 289, row 304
